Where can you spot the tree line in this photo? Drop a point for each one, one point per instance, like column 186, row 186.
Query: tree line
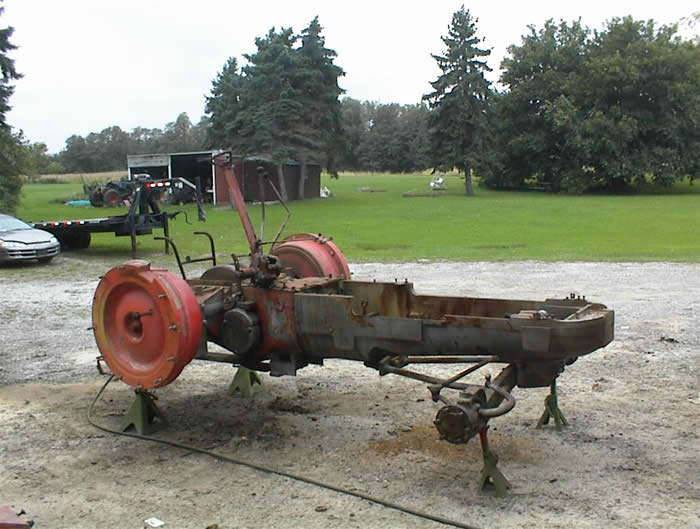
column 107, row 150
column 603, row 109
column 574, row 110
column 376, row 137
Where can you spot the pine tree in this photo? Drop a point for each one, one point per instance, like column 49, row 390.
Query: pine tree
column 284, row 103
column 319, row 92
column 223, row 104
column 271, row 110
column 12, row 155
column 459, row 102
column 8, row 73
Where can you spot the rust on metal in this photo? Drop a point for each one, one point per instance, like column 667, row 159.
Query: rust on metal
column 223, row 161
column 137, row 329
column 298, row 305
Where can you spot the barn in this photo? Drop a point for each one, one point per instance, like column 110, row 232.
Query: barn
column 192, row 165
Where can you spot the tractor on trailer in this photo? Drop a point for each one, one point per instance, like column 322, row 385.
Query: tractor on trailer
column 111, row 194
column 297, row 305
column 143, row 217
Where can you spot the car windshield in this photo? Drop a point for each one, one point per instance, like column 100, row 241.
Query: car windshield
column 10, row 224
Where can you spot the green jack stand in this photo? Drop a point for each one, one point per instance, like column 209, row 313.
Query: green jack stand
column 491, row 480
column 142, row 413
column 246, row 382
column 551, row 410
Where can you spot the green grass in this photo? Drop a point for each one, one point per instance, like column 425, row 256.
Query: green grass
column 386, row 226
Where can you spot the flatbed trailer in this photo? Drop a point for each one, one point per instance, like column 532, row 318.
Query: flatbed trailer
column 143, row 217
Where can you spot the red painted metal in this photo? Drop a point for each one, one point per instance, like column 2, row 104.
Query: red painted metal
column 9, row 520
column 275, row 308
column 147, row 324
column 224, row 163
column 310, row 255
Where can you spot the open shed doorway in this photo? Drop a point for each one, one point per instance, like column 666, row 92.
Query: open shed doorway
column 192, row 166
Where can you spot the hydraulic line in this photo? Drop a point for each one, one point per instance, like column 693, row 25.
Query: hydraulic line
column 268, row 470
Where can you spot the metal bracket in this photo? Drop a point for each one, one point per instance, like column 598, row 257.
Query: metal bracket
column 101, row 370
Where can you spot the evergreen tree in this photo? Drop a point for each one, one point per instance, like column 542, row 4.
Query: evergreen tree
column 12, row 163
column 12, row 154
column 319, row 91
column 284, row 103
column 8, row 73
column 270, row 108
column 459, row 102
column 223, row 104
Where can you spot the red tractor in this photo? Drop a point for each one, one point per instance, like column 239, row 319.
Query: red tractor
column 296, row 304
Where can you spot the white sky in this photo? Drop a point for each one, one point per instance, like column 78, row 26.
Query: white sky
column 90, row 64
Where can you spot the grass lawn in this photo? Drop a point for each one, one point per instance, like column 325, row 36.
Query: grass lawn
column 384, row 225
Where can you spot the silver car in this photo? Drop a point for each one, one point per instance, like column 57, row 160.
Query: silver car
column 20, row 242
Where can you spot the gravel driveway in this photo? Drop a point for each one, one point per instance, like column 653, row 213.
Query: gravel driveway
column 630, row 457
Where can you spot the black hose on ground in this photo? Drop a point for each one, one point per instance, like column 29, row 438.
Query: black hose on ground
column 267, row 470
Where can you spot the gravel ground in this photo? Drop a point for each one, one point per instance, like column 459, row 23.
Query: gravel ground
column 630, row 457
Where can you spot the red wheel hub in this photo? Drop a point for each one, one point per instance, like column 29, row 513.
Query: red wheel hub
column 147, row 324
column 310, row 255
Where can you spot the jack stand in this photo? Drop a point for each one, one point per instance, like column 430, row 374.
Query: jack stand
column 551, row 410
column 246, row 382
column 142, row 413
column 491, row 479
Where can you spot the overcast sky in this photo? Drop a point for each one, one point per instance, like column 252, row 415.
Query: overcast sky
column 90, row 64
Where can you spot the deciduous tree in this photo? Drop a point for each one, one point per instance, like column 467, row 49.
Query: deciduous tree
column 539, row 117
column 107, row 150
column 357, row 119
column 395, row 138
column 609, row 110
column 643, row 104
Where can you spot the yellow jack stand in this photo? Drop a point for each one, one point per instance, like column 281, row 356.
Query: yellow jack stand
column 551, row 410
column 143, row 413
column 246, row 382
column 491, row 480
